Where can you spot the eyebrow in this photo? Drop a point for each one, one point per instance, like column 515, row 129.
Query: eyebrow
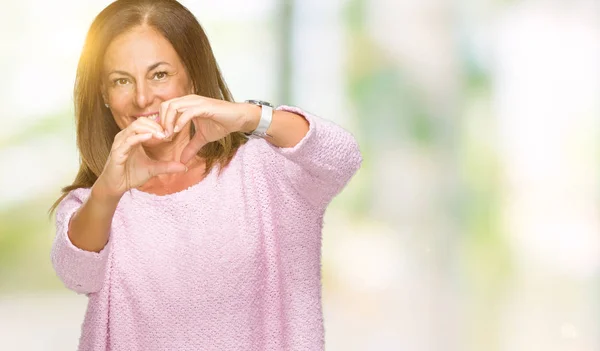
column 150, row 68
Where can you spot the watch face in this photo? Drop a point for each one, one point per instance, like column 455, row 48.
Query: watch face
column 259, row 102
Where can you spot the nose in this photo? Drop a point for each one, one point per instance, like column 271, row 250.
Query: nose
column 143, row 95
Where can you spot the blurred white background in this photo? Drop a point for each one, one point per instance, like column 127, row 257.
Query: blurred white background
column 474, row 222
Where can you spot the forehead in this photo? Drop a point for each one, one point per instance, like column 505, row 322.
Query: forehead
column 139, row 47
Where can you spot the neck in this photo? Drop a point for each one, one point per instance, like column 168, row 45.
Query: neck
column 169, row 150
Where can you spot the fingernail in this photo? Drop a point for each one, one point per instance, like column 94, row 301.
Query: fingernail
column 176, row 130
column 161, row 135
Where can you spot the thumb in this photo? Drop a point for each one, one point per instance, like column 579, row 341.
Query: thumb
column 192, row 149
column 166, row 167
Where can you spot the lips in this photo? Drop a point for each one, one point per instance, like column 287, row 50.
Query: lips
column 153, row 117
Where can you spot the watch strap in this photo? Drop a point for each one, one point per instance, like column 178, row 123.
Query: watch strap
column 266, row 117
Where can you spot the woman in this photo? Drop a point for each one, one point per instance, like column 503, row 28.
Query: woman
column 184, row 233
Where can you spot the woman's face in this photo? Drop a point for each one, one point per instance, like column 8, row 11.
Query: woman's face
column 141, row 69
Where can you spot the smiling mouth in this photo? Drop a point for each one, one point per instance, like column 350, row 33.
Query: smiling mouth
column 153, row 117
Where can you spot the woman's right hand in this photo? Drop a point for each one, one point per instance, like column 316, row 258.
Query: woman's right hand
column 128, row 166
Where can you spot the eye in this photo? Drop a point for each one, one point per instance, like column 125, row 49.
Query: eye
column 120, row 81
column 160, row 75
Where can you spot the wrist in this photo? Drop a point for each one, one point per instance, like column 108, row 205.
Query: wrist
column 251, row 117
column 103, row 194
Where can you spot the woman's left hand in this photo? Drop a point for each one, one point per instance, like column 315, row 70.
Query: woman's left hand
column 213, row 120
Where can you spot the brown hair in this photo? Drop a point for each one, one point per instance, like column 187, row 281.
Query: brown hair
column 96, row 127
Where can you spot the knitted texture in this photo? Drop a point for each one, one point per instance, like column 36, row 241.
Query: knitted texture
column 231, row 263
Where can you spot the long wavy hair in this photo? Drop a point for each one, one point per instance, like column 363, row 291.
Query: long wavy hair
column 96, row 128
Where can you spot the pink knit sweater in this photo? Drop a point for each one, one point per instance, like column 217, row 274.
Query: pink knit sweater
column 231, row 263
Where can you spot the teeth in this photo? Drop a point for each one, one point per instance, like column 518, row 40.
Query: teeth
column 154, row 117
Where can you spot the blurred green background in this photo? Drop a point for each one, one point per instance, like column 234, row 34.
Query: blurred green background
column 474, row 221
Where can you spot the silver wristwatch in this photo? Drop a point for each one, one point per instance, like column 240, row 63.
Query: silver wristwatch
column 266, row 116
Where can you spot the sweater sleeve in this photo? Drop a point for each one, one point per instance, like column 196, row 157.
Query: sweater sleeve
column 79, row 270
column 323, row 162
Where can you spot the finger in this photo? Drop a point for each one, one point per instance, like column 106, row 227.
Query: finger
column 192, row 148
column 183, row 119
column 123, row 151
column 137, row 128
column 145, row 121
column 172, row 108
column 167, row 114
column 132, row 129
column 156, row 128
column 166, row 167
column 146, row 125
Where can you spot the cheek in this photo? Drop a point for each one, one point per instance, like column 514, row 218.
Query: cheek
column 119, row 106
column 120, row 101
column 173, row 89
column 122, row 122
column 169, row 91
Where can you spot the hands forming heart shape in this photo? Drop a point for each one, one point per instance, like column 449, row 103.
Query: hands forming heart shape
column 213, row 119
column 128, row 166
